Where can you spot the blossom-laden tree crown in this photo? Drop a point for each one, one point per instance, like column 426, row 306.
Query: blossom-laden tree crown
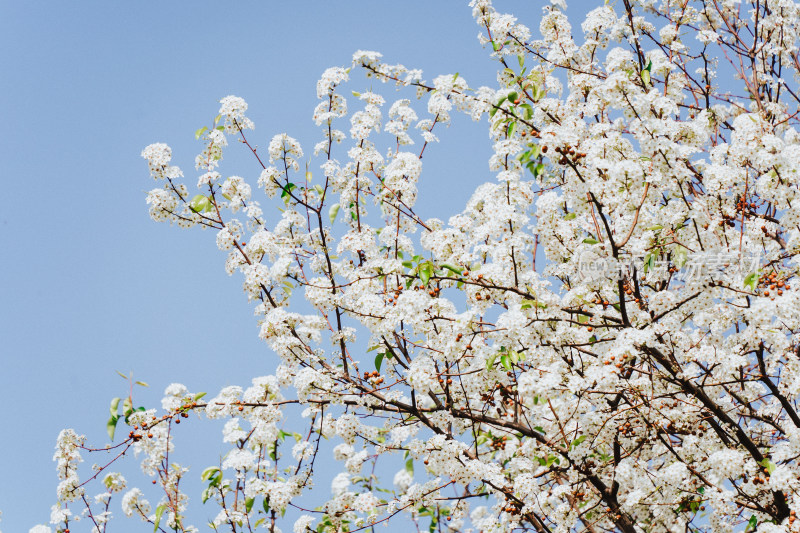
column 606, row 338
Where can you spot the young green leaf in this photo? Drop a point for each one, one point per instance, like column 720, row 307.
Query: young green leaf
column 209, row 472
column 114, row 406
column 751, row 280
column 111, row 426
column 425, row 272
column 127, row 406
column 332, row 212
column 680, row 257
column 512, row 127
column 646, row 72
column 159, row 513
column 455, row 270
column 200, row 204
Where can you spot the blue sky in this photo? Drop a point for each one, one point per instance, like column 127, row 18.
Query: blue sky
column 89, row 284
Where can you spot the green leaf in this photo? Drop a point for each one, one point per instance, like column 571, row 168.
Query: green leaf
column 590, row 240
column 527, row 304
column 286, row 191
column 205, row 495
column 751, row 524
column 127, row 406
column 512, row 96
column 751, row 280
column 209, row 472
column 521, row 60
column 121, row 374
column 332, row 212
column 142, row 383
column 248, row 504
column 199, row 395
column 680, row 257
column 570, row 216
column 538, row 170
column 217, row 118
column 455, row 76
column 199, row 133
column 577, row 442
column 496, row 46
column 410, row 466
column 378, row 361
column 111, row 426
column 425, row 271
column 490, row 361
column 649, row 262
column 159, row 513
column 512, row 127
column 646, row 72
column 200, row 204
column 768, row 465
column 506, row 362
column 114, row 406
column 265, row 505
column 538, row 92
column 454, row 269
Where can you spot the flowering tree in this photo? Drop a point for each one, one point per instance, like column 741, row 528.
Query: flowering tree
column 641, row 376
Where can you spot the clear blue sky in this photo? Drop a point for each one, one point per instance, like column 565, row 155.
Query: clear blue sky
column 89, row 284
